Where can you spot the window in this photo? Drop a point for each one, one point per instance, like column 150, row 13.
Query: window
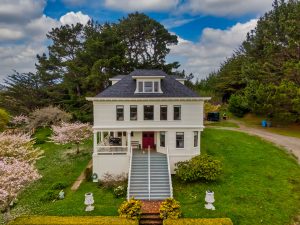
column 163, row 112
column 179, row 140
column 133, row 112
column 148, row 86
column 162, row 138
column 140, row 83
column 119, row 134
column 177, row 112
column 148, row 112
column 120, row 112
column 195, row 138
column 156, row 86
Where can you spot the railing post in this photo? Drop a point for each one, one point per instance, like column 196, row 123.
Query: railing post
column 95, row 141
column 149, row 172
column 129, row 173
column 169, row 171
column 129, row 141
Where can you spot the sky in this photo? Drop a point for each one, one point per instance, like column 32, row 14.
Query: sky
column 208, row 30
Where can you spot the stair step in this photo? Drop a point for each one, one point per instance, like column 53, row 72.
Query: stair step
column 151, row 222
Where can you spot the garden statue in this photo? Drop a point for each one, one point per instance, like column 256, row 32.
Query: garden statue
column 89, row 201
column 210, row 199
column 61, row 194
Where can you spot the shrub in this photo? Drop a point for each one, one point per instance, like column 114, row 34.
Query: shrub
column 201, row 167
column 170, row 209
column 19, row 121
column 110, row 181
column 59, row 186
column 49, row 196
column 131, row 209
column 238, row 105
column 187, row 221
column 72, row 220
column 120, row 191
column 48, row 116
column 4, row 119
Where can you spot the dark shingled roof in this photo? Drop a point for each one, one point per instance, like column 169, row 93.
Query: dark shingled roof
column 118, row 77
column 125, row 88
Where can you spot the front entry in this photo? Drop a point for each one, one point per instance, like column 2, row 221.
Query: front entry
column 148, row 140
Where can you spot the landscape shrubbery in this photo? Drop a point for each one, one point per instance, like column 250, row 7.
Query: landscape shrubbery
column 116, row 183
column 170, row 209
column 202, row 167
column 4, row 119
column 131, row 209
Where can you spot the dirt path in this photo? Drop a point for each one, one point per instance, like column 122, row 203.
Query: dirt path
column 291, row 144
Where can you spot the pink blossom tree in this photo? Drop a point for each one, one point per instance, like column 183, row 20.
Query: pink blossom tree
column 19, row 121
column 74, row 133
column 17, row 158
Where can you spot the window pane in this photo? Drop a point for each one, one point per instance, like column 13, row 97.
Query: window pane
column 162, row 139
column 195, row 138
column 156, row 86
column 148, row 86
column 148, row 112
column 177, row 112
column 163, row 112
column 133, row 112
column 179, row 140
column 140, row 86
column 120, row 112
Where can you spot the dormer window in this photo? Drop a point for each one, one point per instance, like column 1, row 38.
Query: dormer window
column 148, row 86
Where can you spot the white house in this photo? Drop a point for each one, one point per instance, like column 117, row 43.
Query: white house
column 144, row 123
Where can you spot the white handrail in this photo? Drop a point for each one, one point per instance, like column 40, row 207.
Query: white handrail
column 149, row 168
column 169, row 171
column 129, row 173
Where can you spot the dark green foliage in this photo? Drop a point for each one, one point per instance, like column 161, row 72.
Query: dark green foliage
column 265, row 69
column 59, row 186
column 238, row 105
column 49, row 195
column 202, row 167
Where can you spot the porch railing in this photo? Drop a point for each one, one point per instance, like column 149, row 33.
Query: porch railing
column 129, row 174
column 111, row 150
column 149, row 173
column 169, row 171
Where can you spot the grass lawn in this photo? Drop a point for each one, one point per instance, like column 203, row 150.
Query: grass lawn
column 222, row 123
column 260, row 183
column 292, row 130
column 61, row 164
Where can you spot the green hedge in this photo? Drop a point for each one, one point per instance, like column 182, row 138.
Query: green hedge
column 95, row 220
column 218, row 221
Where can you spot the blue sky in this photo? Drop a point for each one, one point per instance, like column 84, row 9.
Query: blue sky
column 208, row 30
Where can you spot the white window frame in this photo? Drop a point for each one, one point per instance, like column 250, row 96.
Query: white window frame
column 144, row 88
column 182, row 140
column 196, row 137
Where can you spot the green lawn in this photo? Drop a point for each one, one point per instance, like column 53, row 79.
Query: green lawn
column 61, row 164
column 222, row 123
column 260, row 184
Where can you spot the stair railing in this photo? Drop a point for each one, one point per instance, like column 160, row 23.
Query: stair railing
column 129, row 173
column 149, row 168
column 169, row 171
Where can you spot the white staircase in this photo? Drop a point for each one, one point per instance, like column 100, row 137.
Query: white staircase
column 149, row 176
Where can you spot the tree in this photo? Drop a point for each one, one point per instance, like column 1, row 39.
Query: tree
column 48, row 116
column 17, row 158
column 74, row 133
column 147, row 42
column 4, row 119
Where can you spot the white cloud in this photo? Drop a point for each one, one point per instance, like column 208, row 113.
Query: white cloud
column 174, row 22
column 73, row 18
column 213, row 48
column 21, row 42
column 225, row 7
column 20, row 11
column 141, row 5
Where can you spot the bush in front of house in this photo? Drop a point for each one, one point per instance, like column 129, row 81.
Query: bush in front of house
column 131, row 209
column 111, row 181
column 170, row 209
column 201, row 167
column 120, row 191
column 49, row 195
column 59, row 186
column 4, row 119
column 188, row 221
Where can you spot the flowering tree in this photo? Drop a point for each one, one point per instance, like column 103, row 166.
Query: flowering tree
column 14, row 176
column 17, row 158
column 19, row 121
column 74, row 133
column 19, row 146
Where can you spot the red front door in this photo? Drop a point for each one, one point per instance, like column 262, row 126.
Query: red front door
column 148, row 140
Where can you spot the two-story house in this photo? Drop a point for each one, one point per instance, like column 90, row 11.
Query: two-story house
column 144, row 123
